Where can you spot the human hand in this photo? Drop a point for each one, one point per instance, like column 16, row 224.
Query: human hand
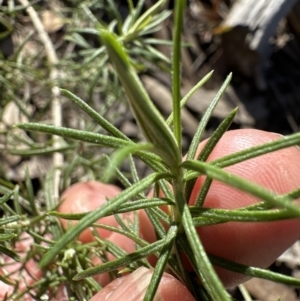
column 255, row 244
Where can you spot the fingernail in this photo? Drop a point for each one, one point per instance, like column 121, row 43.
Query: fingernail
column 284, row 137
column 134, row 287
column 277, row 134
column 141, row 277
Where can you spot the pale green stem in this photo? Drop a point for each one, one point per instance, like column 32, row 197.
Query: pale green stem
column 176, row 70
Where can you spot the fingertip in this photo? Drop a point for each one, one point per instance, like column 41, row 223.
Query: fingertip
column 256, row 244
column 85, row 197
column 134, row 286
column 171, row 289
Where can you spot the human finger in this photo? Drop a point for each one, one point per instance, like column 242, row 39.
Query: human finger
column 133, row 288
column 85, row 197
column 260, row 243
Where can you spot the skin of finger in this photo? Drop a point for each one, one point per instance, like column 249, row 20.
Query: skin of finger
column 134, row 286
column 256, row 244
column 84, row 197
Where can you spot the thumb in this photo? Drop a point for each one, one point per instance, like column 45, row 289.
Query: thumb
column 133, row 288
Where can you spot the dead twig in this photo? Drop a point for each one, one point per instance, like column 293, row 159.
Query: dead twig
column 56, row 96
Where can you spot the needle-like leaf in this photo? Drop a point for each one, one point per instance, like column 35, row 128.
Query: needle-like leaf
column 203, row 122
column 242, row 184
column 206, row 151
column 123, row 261
column 149, row 119
column 161, row 263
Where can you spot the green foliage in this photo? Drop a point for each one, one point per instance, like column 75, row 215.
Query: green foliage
column 60, row 255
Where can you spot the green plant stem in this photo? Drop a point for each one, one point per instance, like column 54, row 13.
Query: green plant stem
column 148, row 117
column 176, row 70
column 183, row 217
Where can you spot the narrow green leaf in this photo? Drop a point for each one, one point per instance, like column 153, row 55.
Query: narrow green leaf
column 242, row 184
column 206, row 151
column 156, row 54
column 15, row 57
column 195, row 288
column 207, row 273
column 7, row 281
column 159, row 228
column 39, row 151
column 6, row 197
column 253, row 271
column 84, row 136
column 131, row 6
column 90, row 137
column 133, row 170
column 10, row 253
column 155, row 23
column 182, row 274
column 89, row 219
column 69, row 169
column 124, row 208
column 123, row 224
column 143, row 204
column 135, row 226
column 9, row 219
column 205, row 118
column 94, row 115
column 17, row 205
column 120, row 155
column 51, row 203
column 88, row 13
column 7, row 236
column 133, row 15
column 252, row 152
column 249, row 153
column 208, row 216
column 241, row 156
column 138, row 9
column 161, row 215
column 38, row 238
column 148, row 117
column 144, row 19
column 216, row 136
column 185, row 99
column 203, row 192
column 161, row 263
column 123, row 261
column 30, row 193
column 117, row 15
column 130, row 234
